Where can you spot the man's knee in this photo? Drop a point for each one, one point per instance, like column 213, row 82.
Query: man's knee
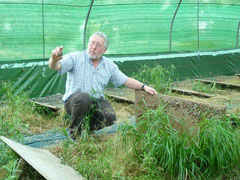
column 80, row 99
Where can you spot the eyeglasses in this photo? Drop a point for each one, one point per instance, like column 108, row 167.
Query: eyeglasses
column 98, row 45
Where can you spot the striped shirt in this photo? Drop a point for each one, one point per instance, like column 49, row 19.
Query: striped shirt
column 83, row 77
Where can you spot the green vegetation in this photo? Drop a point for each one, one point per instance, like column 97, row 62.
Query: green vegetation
column 18, row 117
column 162, row 79
column 162, row 149
column 205, row 88
column 159, row 77
column 154, row 149
column 12, row 126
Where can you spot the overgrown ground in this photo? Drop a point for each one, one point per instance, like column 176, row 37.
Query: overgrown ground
column 230, row 98
column 153, row 150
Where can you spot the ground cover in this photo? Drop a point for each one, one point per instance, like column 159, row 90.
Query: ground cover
column 160, row 151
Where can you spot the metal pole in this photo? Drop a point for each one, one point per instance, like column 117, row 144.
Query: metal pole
column 170, row 34
column 198, row 33
column 238, row 34
column 85, row 25
column 43, row 36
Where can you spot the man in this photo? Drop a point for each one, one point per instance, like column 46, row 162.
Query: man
column 88, row 73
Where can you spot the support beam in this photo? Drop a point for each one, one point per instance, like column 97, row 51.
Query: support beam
column 190, row 93
column 221, row 84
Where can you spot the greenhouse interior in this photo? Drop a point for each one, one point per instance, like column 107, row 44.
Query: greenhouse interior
column 186, row 50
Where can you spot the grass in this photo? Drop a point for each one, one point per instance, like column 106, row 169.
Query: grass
column 20, row 112
column 162, row 79
column 159, row 77
column 164, row 150
column 155, row 149
column 205, row 88
column 19, row 117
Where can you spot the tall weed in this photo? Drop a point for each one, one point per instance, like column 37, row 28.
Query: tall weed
column 219, row 147
column 161, row 78
column 12, row 97
column 13, row 107
column 173, row 153
column 11, row 126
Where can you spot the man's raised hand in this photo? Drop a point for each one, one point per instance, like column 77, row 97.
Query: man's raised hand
column 57, row 53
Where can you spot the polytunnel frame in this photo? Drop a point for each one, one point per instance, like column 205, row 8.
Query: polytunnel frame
column 238, row 34
column 43, row 32
column 198, row 33
column 85, row 25
column 171, row 26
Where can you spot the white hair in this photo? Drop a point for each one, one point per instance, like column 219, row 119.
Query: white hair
column 101, row 34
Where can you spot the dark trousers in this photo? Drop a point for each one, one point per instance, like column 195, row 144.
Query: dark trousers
column 82, row 107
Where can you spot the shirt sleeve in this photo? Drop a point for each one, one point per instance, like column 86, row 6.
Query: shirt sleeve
column 118, row 78
column 66, row 63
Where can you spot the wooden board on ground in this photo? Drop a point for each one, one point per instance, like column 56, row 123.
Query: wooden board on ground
column 120, row 99
column 48, row 165
column 53, row 108
column 191, row 93
column 221, row 84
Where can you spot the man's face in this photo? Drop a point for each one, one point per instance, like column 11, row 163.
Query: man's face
column 96, row 47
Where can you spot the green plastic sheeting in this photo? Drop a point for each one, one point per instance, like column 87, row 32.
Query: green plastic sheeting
column 38, row 80
column 189, row 65
column 140, row 32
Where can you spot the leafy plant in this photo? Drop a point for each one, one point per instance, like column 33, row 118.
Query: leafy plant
column 12, row 127
column 12, row 96
column 159, row 77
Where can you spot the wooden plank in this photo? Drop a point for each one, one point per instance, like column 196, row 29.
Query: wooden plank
column 48, row 165
column 120, row 99
column 53, row 108
column 222, row 84
column 191, row 93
